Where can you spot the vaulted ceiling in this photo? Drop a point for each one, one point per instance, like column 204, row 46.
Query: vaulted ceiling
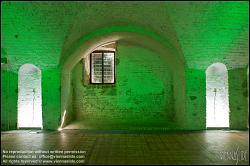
column 212, row 31
column 204, row 32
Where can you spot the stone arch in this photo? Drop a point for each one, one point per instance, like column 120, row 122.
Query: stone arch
column 85, row 45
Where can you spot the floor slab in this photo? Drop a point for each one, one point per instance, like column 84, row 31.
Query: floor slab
column 203, row 147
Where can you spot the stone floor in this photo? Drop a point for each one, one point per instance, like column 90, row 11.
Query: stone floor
column 205, row 147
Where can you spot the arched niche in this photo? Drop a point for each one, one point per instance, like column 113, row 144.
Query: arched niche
column 83, row 47
column 217, row 102
column 29, row 97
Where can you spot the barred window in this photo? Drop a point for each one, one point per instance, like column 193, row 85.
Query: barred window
column 102, row 67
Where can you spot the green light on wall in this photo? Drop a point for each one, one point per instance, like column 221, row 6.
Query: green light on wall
column 3, row 56
column 4, row 60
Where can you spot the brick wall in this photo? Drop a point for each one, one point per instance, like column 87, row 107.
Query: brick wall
column 9, row 92
column 195, row 99
column 238, row 95
column 141, row 98
column 51, row 98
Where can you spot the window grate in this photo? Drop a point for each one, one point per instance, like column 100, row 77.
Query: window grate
column 102, row 67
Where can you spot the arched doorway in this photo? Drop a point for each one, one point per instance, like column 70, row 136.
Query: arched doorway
column 217, row 106
column 29, row 97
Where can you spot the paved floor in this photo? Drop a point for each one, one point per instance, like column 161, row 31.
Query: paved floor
column 208, row 147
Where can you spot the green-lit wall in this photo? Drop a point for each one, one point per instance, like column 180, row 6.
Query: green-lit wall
column 146, row 94
column 195, row 99
column 9, row 92
column 51, row 98
column 142, row 96
column 238, row 98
